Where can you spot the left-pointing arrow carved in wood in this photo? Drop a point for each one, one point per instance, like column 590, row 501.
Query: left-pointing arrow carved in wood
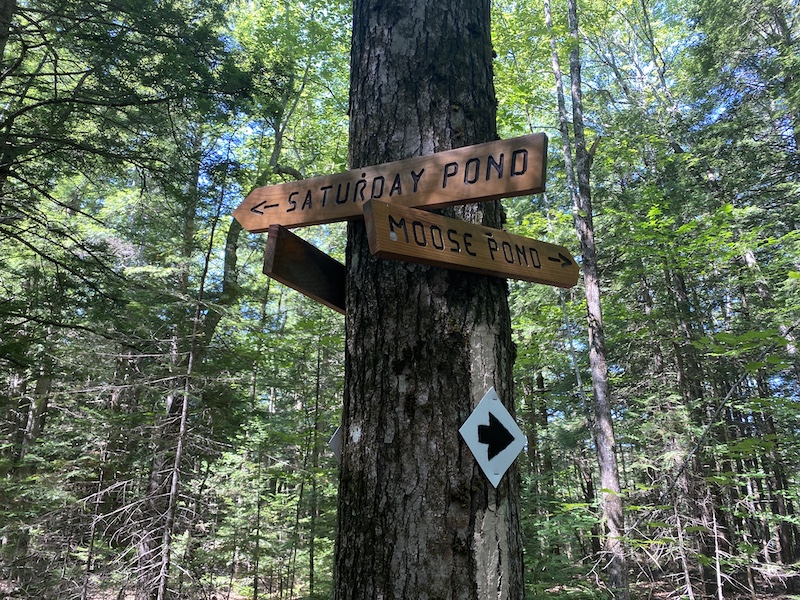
column 263, row 205
column 495, row 435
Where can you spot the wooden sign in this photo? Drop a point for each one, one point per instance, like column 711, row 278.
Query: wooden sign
column 292, row 261
column 477, row 173
column 418, row 236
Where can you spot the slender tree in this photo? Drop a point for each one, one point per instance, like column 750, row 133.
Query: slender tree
column 578, row 179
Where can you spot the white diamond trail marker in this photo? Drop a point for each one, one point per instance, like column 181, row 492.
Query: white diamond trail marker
column 493, row 436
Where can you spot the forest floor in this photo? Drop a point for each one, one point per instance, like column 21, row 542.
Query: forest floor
column 665, row 589
column 661, row 589
column 671, row 586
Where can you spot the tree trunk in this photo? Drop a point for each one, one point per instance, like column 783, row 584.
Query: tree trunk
column 578, row 181
column 417, row 517
column 7, row 10
column 153, row 507
column 655, row 337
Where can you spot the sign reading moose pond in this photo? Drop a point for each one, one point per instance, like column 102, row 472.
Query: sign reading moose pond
column 418, row 236
column 476, row 173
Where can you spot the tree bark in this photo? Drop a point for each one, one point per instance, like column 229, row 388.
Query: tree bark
column 7, row 10
column 578, row 181
column 417, row 517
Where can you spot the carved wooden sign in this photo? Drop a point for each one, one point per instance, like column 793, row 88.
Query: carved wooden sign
column 294, row 262
column 413, row 235
column 482, row 172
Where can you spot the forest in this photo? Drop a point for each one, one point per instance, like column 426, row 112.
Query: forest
column 165, row 407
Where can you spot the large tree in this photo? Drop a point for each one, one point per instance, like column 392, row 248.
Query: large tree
column 417, row 517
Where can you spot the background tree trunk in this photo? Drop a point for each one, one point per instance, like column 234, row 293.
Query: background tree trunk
column 578, row 183
column 417, row 517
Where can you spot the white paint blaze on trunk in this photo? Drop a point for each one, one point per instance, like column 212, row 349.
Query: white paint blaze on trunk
column 493, row 550
column 484, row 361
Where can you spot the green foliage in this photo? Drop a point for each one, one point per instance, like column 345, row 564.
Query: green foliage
column 132, row 129
column 694, row 183
column 124, row 153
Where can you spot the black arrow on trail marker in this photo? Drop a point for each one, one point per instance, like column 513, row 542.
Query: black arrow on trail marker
column 565, row 262
column 495, row 435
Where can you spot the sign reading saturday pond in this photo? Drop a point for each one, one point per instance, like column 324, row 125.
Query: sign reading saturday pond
column 478, row 173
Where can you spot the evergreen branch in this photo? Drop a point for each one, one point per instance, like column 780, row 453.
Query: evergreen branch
column 712, row 421
column 108, row 335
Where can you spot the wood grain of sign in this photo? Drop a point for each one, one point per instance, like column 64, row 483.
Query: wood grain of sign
column 482, row 172
column 294, row 262
column 413, row 235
